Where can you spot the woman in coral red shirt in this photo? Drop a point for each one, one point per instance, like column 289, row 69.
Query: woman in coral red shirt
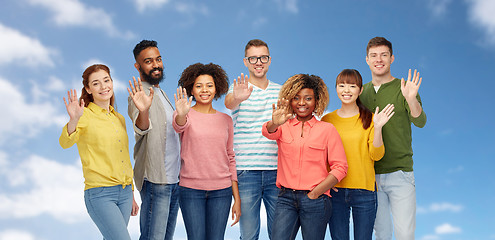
column 307, row 147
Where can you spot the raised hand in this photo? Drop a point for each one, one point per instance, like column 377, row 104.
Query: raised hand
column 380, row 119
column 410, row 87
column 182, row 104
column 139, row 97
column 281, row 113
column 242, row 90
column 74, row 108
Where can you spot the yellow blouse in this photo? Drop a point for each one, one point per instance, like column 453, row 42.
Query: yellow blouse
column 359, row 150
column 103, row 146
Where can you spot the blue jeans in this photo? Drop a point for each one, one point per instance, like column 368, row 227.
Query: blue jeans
column 159, row 208
column 294, row 209
column 205, row 213
column 254, row 186
column 110, row 209
column 363, row 205
column 396, row 194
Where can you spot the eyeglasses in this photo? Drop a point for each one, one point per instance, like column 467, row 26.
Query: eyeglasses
column 254, row 60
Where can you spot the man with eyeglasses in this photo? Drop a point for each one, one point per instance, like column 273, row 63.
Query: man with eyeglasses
column 250, row 98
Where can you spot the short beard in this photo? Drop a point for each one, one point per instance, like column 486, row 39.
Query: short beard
column 151, row 80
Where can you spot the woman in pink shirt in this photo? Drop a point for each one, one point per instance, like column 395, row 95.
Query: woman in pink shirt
column 208, row 176
column 307, row 147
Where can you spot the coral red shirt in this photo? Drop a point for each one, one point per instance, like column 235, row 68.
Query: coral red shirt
column 303, row 159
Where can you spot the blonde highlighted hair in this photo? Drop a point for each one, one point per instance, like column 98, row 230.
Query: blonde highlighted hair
column 299, row 81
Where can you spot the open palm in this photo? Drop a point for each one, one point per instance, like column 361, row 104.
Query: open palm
column 138, row 95
column 242, row 90
column 281, row 113
column 75, row 109
column 410, row 87
column 182, row 103
column 380, row 119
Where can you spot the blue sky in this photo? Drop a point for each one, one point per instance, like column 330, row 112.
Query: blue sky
column 46, row 44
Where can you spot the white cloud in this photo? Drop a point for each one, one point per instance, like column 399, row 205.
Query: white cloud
column 12, row 234
column 481, row 15
column 55, row 189
column 143, row 5
column 75, row 13
column 191, row 8
column 19, row 49
column 20, row 118
column 446, row 228
column 440, row 207
column 55, row 84
column 438, row 8
column 288, row 5
column 430, row 237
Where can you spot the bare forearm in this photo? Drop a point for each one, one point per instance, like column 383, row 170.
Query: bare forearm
column 324, row 186
column 415, row 107
column 271, row 127
column 378, row 138
column 142, row 121
column 180, row 120
column 71, row 125
column 231, row 102
column 235, row 191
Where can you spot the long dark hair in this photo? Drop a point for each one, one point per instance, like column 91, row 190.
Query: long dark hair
column 352, row 76
column 84, row 94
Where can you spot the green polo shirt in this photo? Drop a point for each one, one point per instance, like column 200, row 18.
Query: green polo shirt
column 397, row 132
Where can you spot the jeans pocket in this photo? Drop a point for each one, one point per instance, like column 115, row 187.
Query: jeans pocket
column 240, row 173
column 409, row 177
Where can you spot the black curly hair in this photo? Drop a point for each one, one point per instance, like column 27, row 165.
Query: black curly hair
column 189, row 75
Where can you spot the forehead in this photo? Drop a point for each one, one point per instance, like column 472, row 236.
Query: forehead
column 203, row 79
column 151, row 52
column 306, row 92
column 257, row 51
column 379, row 49
column 98, row 75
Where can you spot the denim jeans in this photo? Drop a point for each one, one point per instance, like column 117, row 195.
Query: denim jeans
column 397, row 197
column 205, row 213
column 294, row 209
column 254, row 186
column 110, row 209
column 159, row 208
column 362, row 203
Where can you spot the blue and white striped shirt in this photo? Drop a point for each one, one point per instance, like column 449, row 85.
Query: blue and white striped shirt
column 252, row 150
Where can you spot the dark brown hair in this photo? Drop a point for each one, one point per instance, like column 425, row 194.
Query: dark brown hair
column 352, row 76
column 255, row 43
column 84, row 94
column 189, row 75
column 379, row 41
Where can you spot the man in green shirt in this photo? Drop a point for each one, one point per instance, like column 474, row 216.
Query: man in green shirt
column 394, row 172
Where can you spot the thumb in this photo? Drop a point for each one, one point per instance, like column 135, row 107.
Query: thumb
column 376, row 110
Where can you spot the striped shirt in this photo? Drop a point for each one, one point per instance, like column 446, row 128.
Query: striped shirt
column 252, row 150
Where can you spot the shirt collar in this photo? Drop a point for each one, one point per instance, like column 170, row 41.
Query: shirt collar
column 311, row 122
column 97, row 109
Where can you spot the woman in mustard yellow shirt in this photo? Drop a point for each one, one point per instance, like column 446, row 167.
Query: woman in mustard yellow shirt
column 361, row 134
column 100, row 134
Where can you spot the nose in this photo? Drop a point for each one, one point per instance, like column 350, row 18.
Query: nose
column 155, row 64
column 301, row 101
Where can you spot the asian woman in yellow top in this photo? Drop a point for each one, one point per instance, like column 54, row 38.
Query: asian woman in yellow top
column 100, row 134
column 361, row 134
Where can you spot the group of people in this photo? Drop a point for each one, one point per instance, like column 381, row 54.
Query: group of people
column 308, row 173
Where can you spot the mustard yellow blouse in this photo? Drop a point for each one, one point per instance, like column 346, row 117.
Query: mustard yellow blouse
column 103, row 146
column 359, row 150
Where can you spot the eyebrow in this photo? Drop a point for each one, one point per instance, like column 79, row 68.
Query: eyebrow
column 150, row 58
